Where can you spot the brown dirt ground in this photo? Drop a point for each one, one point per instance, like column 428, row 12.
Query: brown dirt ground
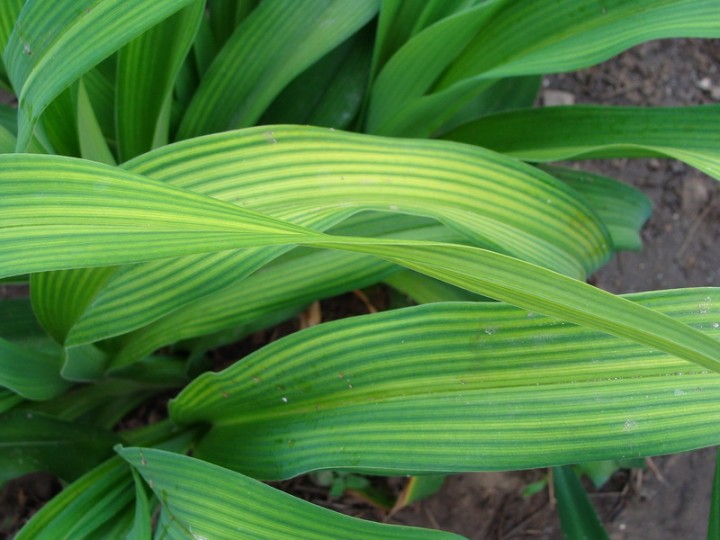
column 671, row 499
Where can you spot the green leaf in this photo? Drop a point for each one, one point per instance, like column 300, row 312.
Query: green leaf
column 91, row 138
column 142, row 527
column 8, row 118
column 419, row 488
column 58, row 125
column 245, row 77
column 58, row 316
column 398, row 21
column 106, row 402
column 225, row 16
column 85, row 506
column 330, row 92
column 582, row 132
column 207, row 501
column 251, row 304
column 413, row 69
column 714, row 520
column 623, row 209
column 99, row 215
column 7, row 141
column 577, row 515
column 100, row 87
column 449, row 387
column 8, row 400
column 30, row 373
column 443, row 68
column 9, row 11
column 317, row 178
column 29, row 361
column 147, row 69
column 423, row 289
column 30, row 441
column 599, row 472
column 46, row 31
column 503, row 95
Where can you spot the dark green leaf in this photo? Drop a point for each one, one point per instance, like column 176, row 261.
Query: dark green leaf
column 577, row 515
column 31, row 441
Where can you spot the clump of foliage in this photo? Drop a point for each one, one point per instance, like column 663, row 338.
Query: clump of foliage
column 179, row 174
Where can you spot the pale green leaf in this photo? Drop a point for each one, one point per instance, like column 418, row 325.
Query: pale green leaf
column 318, row 177
column 266, row 297
column 99, row 215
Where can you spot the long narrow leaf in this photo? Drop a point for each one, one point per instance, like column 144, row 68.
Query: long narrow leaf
column 450, row 387
column 147, row 68
column 622, row 208
column 30, row 362
column 319, row 177
column 689, row 134
column 85, row 505
column 99, row 215
column 8, row 400
column 424, row 85
column 207, row 501
column 714, row 518
column 92, row 141
column 244, row 305
column 577, row 515
column 54, row 43
column 32, row 442
column 245, row 78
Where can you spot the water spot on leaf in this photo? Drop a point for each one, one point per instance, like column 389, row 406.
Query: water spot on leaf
column 629, row 425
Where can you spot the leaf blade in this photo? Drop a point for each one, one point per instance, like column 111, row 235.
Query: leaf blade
column 449, row 387
column 235, row 506
column 68, row 29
